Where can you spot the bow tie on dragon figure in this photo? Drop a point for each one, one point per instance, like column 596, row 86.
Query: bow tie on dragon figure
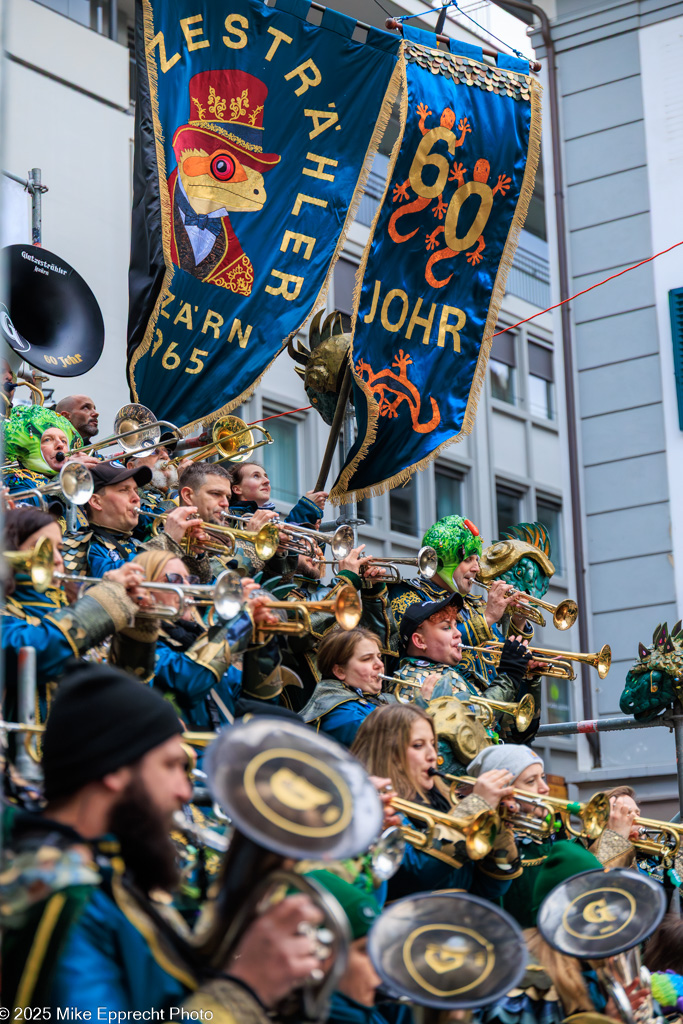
column 220, row 168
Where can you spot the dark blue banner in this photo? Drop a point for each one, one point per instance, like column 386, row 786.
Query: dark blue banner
column 435, row 267
column 255, row 131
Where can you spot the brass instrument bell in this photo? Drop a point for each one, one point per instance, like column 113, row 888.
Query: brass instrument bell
column 38, row 563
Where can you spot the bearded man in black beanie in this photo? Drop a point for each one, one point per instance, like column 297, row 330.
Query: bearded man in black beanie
column 84, row 894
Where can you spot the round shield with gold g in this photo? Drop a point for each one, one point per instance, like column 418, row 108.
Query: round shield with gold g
column 292, row 790
column 601, row 913
column 447, row 950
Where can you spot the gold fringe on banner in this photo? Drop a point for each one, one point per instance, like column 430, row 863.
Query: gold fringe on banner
column 395, row 82
column 339, row 495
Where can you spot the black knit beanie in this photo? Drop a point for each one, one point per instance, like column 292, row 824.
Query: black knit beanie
column 101, row 720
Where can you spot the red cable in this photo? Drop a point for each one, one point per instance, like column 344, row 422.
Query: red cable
column 597, row 285
column 289, row 412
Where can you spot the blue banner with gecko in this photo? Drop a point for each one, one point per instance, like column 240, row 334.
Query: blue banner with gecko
column 434, row 270
column 255, row 132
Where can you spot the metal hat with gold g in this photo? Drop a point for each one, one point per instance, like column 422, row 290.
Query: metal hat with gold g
column 447, row 950
column 290, row 793
column 605, row 915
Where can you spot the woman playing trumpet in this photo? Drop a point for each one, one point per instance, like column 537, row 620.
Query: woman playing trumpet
column 399, row 743
column 47, row 621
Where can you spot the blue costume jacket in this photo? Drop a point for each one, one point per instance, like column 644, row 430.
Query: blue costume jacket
column 339, row 711
column 305, row 512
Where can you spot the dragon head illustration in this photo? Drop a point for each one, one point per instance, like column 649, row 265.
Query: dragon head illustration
column 656, row 680
column 323, row 362
column 521, row 557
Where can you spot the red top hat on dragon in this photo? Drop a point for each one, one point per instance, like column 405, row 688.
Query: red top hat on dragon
column 220, row 170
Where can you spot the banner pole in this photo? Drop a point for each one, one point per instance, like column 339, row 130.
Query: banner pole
column 335, row 430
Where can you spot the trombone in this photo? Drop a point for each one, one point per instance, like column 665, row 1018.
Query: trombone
column 557, row 668
column 38, row 563
column 75, row 483
column 136, row 430
column 223, row 442
column 478, row 828
column 225, row 595
column 564, row 614
column 346, row 608
column 522, row 711
column 594, row 814
column 266, row 541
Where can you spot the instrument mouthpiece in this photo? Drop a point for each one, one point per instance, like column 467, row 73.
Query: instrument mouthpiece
column 60, row 457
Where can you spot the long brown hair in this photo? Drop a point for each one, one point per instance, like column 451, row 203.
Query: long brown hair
column 563, row 971
column 382, row 743
column 337, row 647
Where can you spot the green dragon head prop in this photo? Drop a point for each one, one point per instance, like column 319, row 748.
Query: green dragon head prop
column 521, row 557
column 454, row 539
column 22, row 433
column 656, row 680
column 323, row 363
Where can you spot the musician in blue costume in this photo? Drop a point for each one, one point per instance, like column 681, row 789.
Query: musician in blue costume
column 57, row 630
column 80, row 926
column 41, row 442
column 351, row 667
column 251, row 493
column 200, row 667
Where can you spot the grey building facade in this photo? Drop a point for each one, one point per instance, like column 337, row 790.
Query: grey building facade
column 621, row 132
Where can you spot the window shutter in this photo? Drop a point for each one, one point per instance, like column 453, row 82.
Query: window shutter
column 676, row 311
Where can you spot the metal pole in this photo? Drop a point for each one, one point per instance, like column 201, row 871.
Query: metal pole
column 348, row 512
column 36, row 190
column 26, row 694
column 590, row 726
column 677, row 718
column 335, row 429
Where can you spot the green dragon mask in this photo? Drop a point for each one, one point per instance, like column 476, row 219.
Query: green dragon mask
column 656, row 680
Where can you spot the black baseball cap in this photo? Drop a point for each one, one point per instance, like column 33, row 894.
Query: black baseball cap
column 419, row 611
column 108, row 473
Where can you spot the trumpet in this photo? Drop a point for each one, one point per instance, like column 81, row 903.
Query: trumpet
column 661, row 839
column 225, row 595
column 564, row 614
column 560, row 667
column 426, row 560
column 224, row 434
column 522, row 711
column 7, row 392
column 479, row 830
column 346, row 608
column 594, row 814
column 136, row 431
column 302, row 540
column 38, row 563
column 266, row 541
column 75, row 483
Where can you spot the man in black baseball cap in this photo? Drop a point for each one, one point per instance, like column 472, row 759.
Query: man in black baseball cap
column 431, row 653
column 114, row 513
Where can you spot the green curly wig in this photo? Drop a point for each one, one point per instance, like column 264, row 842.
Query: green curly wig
column 454, row 539
column 23, row 431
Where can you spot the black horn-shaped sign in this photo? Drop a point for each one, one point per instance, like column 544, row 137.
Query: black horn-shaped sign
column 52, row 319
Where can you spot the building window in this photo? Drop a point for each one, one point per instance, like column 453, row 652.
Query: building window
column 508, row 507
column 557, row 701
column 403, row 508
column 281, row 459
column 541, row 382
column 344, row 282
column 364, row 510
column 549, row 513
column 503, row 367
column 447, row 492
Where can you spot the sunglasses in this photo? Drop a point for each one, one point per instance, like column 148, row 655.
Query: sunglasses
column 178, row 580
